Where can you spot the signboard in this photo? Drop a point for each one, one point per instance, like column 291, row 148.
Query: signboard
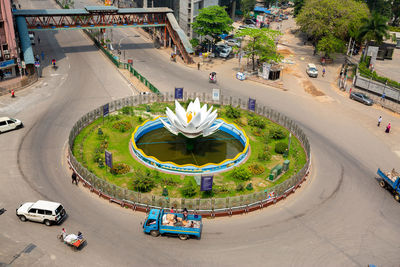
column 215, row 94
column 252, row 104
column 7, row 63
column 178, row 93
column 106, row 110
column 206, row 183
column 108, row 157
column 37, row 64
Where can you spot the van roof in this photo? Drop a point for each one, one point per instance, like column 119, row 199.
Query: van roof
column 48, row 205
column 4, row 118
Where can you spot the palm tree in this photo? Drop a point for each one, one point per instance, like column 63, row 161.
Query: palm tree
column 374, row 28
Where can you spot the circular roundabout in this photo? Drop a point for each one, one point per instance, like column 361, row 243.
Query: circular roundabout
column 250, row 158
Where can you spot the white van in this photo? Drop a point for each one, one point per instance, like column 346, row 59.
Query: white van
column 8, row 124
column 46, row 212
column 32, row 38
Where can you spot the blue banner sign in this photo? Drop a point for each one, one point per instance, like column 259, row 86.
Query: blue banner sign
column 6, row 63
column 206, row 183
column 252, row 104
column 178, row 93
column 106, row 109
column 108, row 156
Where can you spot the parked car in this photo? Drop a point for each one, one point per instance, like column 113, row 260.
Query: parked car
column 8, row 124
column 46, row 212
column 223, row 52
column 32, row 37
column 224, row 46
column 312, row 70
column 363, row 98
column 233, row 42
column 250, row 21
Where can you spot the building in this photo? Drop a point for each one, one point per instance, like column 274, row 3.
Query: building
column 8, row 44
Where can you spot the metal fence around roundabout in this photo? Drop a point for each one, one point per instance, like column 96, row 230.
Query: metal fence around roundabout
column 208, row 207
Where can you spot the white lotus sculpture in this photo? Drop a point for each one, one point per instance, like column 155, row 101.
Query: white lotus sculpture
column 193, row 122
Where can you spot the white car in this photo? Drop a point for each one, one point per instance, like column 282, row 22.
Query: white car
column 233, row 42
column 46, row 212
column 224, row 46
column 312, row 70
column 8, row 124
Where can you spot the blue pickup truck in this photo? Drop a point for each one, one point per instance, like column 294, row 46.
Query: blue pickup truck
column 391, row 181
column 160, row 222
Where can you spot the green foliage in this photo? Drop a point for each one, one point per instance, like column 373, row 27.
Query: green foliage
column 120, row 168
column 140, row 119
column 239, row 187
column 166, row 180
column 143, row 181
column 100, row 132
column 232, row 112
column 367, row 73
column 261, row 44
column 247, row 5
column 339, row 18
column 374, row 28
column 241, row 173
column 101, row 163
column 264, row 155
column 249, row 186
column 213, row 21
column 122, row 126
column 394, row 29
column 256, row 168
column 298, row 5
column 258, row 122
column 329, row 44
column 281, row 147
column 127, row 110
column 277, row 133
column 189, row 189
column 382, row 7
column 165, row 191
column 194, row 42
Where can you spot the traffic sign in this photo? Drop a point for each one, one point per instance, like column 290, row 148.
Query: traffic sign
column 37, row 64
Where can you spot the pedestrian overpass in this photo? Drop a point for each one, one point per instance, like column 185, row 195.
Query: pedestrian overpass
column 161, row 20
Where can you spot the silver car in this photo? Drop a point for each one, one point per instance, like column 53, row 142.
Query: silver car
column 363, row 98
column 312, row 70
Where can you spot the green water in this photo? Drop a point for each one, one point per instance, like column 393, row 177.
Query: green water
column 165, row 146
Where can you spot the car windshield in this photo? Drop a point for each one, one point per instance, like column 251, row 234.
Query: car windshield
column 59, row 209
column 13, row 120
column 312, row 69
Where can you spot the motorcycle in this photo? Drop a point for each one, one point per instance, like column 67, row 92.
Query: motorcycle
column 212, row 78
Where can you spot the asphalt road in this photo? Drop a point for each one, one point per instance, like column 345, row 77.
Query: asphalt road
column 340, row 217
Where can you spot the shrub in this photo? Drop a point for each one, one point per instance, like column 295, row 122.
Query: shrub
column 220, row 189
column 256, row 168
column 120, row 168
column 241, row 173
column 122, row 126
column 257, row 132
column 257, row 122
column 96, row 156
column 103, row 145
column 143, row 181
column 239, row 187
column 249, row 186
column 281, row 147
column 264, row 155
column 277, row 133
column 189, row 189
column 101, row 163
column 168, row 181
column 140, row 119
column 127, row 110
column 232, row 112
column 165, row 191
column 100, row 132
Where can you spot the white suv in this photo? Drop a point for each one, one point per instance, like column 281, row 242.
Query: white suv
column 8, row 124
column 46, row 212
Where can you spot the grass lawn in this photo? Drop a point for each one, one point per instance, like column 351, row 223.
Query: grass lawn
column 117, row 130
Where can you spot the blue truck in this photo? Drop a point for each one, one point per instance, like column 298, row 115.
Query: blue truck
column 160, row 222
column 390, row 181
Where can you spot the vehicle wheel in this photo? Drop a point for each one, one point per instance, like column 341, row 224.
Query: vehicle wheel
column 397, row 197
column 183, row 237
column 382, row 184
column 22, row 218
column 154, row 233
column 47, row 222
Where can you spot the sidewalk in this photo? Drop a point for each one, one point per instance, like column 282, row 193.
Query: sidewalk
column 16, row 83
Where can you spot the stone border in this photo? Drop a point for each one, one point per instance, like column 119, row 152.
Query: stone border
column 213, row 207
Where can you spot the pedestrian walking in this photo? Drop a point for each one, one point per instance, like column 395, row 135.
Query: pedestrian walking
column 383, row 97
column 74, row 180
column 12, row 93
column 198, row 65
column 388, row 128
column 323, row 72
column 1, row 75
column 38, row 40
column 379, row 121
column 42, row 54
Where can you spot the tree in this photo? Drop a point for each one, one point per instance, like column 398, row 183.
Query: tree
column 396, row 13
column 340, row 18
column 382, row 7
column 261, row 44
column 246, row 6
column 143, row 181
column 374, row 28
column 298, row 4
column 213, row 21
column 330, row 44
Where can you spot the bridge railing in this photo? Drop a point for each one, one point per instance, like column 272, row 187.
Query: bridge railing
column 211, row 206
